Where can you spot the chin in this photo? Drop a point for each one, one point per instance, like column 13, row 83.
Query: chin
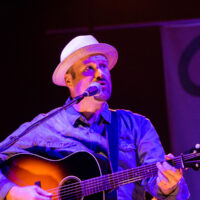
column 102, row 97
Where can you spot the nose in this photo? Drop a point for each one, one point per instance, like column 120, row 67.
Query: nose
column 99, row 73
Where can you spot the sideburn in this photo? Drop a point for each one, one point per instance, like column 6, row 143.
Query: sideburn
column 72, row 72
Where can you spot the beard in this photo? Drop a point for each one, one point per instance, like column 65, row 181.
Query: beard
column 104, row 94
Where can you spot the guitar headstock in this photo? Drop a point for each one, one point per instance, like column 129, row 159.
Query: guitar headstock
column 192, row 160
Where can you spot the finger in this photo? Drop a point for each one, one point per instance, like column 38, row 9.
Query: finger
column 165, row 183
column 177, row 174
column 162, row 177
column 162, row 183
column 172, row 170
column 167, row 166
column 41, row 197
column 172, row 176
column 43, row 192
column 169, row 156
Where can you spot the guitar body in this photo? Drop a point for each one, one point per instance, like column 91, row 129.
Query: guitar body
column 60, row 177
column 81, row 175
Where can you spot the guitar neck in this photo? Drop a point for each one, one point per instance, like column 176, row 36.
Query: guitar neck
column 21, row 169
column 114, row 180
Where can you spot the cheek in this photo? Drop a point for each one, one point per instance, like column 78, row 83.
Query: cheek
column 110, row 84
column 83, row 84
column 109, row 81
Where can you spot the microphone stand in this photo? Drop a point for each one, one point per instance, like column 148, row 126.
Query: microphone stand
column 14, row 139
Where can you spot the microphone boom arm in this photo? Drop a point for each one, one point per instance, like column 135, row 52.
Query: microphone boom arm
column 14, row 139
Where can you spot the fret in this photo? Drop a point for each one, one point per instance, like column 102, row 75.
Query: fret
column 114, row 180
column 70, row 186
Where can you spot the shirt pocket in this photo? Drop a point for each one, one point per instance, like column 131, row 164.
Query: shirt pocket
column 127, row 155
column 127, row 147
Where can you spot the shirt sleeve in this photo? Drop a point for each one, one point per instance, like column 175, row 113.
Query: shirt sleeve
column 150, row 150
column 18, row 147
column 5, row 186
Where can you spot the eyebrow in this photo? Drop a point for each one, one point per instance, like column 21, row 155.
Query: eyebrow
column 90, row 61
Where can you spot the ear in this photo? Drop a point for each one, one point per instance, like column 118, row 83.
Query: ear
column 68, row 80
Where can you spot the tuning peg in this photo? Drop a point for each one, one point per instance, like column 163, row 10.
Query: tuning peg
column 196, row 149
column 197, row 146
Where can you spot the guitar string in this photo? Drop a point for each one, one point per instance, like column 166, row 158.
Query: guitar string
column 93, row 179
column 75, row 192
column 81, row 195
column 153, row 172
column 79, row 185
column 72, row 195
column 121, row 182
column 138, row 170
column 74, row 186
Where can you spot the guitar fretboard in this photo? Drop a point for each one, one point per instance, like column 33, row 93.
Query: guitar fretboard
column 114, row 180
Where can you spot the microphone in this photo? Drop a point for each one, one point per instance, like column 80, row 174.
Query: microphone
column 92, row 90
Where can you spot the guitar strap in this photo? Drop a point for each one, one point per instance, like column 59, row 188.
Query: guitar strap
column 112, row 135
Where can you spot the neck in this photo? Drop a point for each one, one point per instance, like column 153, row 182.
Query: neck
column 89, row 107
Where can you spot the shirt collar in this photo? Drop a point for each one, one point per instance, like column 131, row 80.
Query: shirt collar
column 106, row 113
column 74, row 115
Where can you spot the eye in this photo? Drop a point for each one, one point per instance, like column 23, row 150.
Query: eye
column 103, row 66
column 89, row 68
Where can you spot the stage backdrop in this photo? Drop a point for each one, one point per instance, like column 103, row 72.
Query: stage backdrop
column 181, row 53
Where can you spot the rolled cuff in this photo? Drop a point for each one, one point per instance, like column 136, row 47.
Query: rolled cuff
column 5, row 186
column 180, row 193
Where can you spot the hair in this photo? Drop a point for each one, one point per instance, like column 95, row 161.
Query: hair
column 72, row 72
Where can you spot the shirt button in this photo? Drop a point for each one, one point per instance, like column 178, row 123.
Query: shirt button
column 91, row 131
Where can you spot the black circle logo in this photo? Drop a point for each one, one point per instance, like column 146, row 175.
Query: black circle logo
column 183, row 68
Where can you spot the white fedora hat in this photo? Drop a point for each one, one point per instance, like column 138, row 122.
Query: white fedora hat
column 78, row 48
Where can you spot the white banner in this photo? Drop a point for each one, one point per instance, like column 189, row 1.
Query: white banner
column 181, row 54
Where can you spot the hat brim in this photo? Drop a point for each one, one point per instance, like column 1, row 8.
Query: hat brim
column 105, row 49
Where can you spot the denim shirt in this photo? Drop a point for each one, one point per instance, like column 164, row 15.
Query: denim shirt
column 68, row 131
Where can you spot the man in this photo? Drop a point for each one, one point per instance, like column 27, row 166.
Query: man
column 83, row 127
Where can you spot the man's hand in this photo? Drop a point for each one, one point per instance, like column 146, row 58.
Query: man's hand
column 168, row 176
column 28, row 192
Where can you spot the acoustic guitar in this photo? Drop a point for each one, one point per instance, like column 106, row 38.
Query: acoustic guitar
column 81, row 175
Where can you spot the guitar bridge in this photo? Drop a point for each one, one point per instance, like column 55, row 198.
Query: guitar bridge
column 182, row 161
column 38, row 183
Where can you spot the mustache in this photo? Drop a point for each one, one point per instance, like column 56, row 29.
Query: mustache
column 101, row 80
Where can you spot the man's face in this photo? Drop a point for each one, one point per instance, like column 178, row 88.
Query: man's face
column 91, row 69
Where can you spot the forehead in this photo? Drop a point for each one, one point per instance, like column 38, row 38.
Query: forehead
column 94, row 58
column 88, row 59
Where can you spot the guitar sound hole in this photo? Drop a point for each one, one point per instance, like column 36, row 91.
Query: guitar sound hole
column 70, row 189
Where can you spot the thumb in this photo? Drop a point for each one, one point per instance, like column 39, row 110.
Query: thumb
column 42, row 192
column 169, row 156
